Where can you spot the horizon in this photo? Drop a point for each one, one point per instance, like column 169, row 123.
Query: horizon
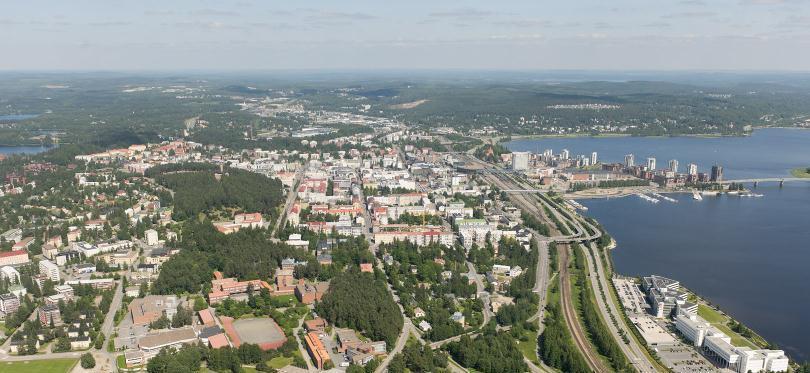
column 686, row 35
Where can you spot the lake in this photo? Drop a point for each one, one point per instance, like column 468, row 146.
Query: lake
column 747, row 255
column 8, row 150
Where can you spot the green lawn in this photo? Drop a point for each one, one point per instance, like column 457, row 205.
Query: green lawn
column 719, row 321
column 529, row 346
column 38, row 366
column 279, row 362
column 711, row 315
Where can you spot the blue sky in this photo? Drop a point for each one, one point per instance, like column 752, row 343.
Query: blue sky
column 382, row 34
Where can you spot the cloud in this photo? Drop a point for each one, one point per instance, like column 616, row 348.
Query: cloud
column 109, row 23
column 464, row 13
column 523, row 23
column 214, row 12
column 700, row 14
column 152, row 13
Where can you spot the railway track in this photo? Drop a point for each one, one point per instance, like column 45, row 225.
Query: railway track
column 571, row 319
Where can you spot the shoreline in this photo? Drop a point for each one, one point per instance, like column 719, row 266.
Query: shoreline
column 620, row 135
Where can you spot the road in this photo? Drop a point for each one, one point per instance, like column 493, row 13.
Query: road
column 291, row 197
column 599, row 285
column 483, row 295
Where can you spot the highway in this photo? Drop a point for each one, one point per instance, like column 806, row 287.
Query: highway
column 599, row 281
column 600, row 286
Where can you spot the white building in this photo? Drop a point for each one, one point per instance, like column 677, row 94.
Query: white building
column 693, row 328
column 593, row 158
column 692, row 169
column 520, row 160
column 151, row 236
column 10, row 273
column 651, row 164
column 49, row 269
column 629, row 160
column 673, row 165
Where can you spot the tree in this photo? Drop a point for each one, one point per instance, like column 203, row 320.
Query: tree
column 182, row 317
column 88, row 361
column 62, row 345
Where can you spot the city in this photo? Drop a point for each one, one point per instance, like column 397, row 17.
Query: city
column 372, row 187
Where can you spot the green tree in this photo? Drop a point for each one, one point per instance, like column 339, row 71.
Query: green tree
column 88, row 361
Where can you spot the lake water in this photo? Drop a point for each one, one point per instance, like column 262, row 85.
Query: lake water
column 750, row 256
column 16, row 117
column 22, row 149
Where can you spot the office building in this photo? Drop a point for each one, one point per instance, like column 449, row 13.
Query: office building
column 717, row 173
column 520, row 160
column 565, row 154
column 673, row 165
column 629, row 160
column 593, row 158
column 692, row 169
column 651, row 164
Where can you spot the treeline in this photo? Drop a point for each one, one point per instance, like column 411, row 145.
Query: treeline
column 532, row 222
column 489, row 353
column 362, row 302
column 417, row 357
column 555, row 345
column 247, row 254
column 200, row 191
column 597, row 330
column 188, row 358
column 520, row 288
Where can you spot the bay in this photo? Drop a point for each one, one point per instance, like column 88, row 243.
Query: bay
column 749, row 256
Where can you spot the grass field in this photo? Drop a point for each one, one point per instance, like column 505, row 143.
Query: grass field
column 279, row 362
column 529, row 346
column 720, row 321
column 38, row 366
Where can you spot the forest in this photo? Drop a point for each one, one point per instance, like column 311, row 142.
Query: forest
column 198, row 190
column 247, row 254
column 490, row 352
column 361, row 301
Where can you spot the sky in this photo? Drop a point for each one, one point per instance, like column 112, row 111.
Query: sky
column 169, row 35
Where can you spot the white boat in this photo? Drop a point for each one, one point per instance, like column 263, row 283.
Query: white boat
column 697, row 196
column 665, row 198
column 709, row 192
column 647, row 198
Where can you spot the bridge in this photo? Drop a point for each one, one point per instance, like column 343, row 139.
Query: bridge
column 780, row 180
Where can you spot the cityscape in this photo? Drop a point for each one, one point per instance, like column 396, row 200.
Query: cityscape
column 357, row 187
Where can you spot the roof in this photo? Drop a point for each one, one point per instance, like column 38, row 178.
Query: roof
column 6, row 254
column 206, row 316
column 167, row 338
column 218, row 341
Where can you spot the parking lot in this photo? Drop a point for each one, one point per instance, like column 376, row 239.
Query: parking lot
column 684, row 359
column 630, row 295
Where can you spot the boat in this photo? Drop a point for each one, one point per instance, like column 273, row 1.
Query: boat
column 696, row 196
column 709, row 193
column 647, row 198
column 665, row 198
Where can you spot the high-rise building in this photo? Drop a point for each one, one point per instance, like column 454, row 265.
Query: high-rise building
column 520, row 160
column 593, row 158
column 673, row 165
column 693, row 169
column 717, row 173
column 547, row 154
column 565, row 154
column 629, row 160
column 651, row 164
